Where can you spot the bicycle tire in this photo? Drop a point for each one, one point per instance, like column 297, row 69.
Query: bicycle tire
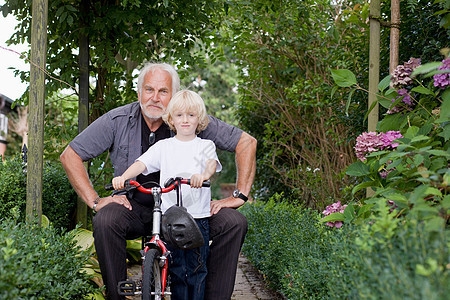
column 151, row 276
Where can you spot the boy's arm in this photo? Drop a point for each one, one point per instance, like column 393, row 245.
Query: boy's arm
column 210, row 169
column 134, row 170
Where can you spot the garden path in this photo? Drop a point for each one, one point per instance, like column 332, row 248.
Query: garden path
column 249, row 283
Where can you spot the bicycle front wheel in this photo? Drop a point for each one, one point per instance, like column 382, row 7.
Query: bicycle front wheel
column 151, row 276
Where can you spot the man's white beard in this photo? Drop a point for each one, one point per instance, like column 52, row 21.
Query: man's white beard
column 152, row 117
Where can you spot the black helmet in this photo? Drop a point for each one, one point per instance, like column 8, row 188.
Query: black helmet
column 179, row 229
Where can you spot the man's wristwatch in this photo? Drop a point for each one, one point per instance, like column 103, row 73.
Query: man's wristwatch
column 95, row 204
column 238, row 194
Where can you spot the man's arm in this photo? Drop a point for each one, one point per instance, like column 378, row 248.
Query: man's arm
column 78, row 177
column 246, row 169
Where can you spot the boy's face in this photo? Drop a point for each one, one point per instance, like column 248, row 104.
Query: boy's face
column 155, row 94
column 185, row 123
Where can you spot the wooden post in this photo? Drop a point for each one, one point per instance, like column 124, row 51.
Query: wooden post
column 374, row 62
column 36, row 110
column 83, row 100
column 374, row 67
column 395, row 35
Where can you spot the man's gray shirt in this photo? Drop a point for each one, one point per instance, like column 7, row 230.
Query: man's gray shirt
column 119, row 131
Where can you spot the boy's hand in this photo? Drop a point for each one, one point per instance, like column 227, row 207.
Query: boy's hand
column 197, row 180
column 118, row 182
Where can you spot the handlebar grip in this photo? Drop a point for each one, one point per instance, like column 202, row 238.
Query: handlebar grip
column 206, row 183
column 109, row 186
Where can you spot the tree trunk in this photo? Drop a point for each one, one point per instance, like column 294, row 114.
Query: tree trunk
column 36, row 106
column 83, row 100
column 395, row 35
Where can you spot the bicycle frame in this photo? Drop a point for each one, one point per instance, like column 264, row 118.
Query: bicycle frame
column 155, row 240
column 128, row 288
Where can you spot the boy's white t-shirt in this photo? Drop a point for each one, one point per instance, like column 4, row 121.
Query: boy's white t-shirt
column 175, row 158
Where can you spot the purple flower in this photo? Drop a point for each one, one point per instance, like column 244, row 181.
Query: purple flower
column 406, row 97
column 392, row 203
column 388, row 138
column 443, row 80
column 412, row 63
column 334, row 208
column 402, row 74
column 368, row 142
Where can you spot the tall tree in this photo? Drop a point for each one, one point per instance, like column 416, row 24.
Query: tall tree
column 121, row 35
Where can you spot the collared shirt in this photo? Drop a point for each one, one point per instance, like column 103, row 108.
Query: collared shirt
column 119, row 131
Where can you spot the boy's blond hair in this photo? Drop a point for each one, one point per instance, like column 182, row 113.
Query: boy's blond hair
column 186, row 100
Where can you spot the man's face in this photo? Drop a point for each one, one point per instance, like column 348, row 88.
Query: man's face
column 155, row 94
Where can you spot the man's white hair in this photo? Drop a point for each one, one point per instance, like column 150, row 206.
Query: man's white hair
column 151, row 67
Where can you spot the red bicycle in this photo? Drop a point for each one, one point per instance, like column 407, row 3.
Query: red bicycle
column 178, row 228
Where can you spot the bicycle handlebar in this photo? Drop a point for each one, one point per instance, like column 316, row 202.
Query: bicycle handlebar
column 130, row 184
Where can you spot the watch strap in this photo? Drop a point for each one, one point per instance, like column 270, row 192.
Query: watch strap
column 243, row 197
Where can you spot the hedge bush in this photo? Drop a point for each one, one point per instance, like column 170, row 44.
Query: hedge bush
column 58, row 199
column 286, row 244
column 40, row 263
column 397, row 260
column 304, row 259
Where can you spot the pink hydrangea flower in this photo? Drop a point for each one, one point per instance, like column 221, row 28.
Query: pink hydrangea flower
column 389, row 137
column 368, row 142
column 334, row 208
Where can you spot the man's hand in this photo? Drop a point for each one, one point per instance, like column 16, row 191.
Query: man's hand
column 232, row 202
column 119, row 199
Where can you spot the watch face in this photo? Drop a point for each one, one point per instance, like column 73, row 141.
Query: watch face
column 235, row 193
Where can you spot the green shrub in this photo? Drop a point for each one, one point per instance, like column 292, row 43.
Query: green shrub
column 387, row 258
column 410, row 264
column 288, row 245
column 39, row 263
column 58, row 199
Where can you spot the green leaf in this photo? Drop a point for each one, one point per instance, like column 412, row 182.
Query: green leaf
column 444, row 114
column 384, row 84
column 435, row 224
column 419, row 138
column 418, row 193
column 84, row 238
column 349, row 213
column 333, row 217
column 357, row 169
column 343, row 77
column 349, row 100
column 438, row 152
column 411, row 132
column 422, row 90
column 446, row 202
column 395, row 197
column 365, row 208
column 364, row 185
column 425, row 68
column 433, row 191
column 333, row 91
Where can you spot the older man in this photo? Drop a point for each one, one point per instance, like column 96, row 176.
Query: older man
column 127, row 132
